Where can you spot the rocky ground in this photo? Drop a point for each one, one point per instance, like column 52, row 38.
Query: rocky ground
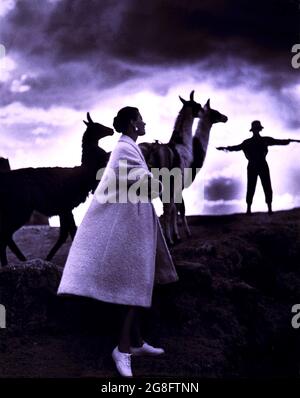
column 228, row 316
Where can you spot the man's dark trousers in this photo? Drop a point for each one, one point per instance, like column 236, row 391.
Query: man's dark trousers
column 262, row 170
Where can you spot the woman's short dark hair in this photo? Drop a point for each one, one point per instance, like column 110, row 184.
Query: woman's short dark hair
column 123, row 118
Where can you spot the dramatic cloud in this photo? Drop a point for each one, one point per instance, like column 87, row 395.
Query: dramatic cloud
column 101, row 44
column 6, row 6
column 222, row 188
column 173, row 31
column 64, row 57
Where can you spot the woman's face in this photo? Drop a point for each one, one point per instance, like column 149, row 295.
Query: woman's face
column 139, row 125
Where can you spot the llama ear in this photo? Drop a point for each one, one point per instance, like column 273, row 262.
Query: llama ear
column 182, row 100
column 89, row 118
column 207, row 105
column 201, row 109
column 87, row 123
column 192, row 95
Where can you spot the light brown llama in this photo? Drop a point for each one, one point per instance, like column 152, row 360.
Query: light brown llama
column 177, row 153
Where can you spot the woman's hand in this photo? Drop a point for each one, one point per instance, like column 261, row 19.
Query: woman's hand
column 154, row 193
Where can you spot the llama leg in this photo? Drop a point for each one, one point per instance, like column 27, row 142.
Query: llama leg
column 186, row 227
column 179, row 219
column 174, row 223
column 184, row 220
column 14, row 248
column 63, row 235
column 167, row 223
column 72, row 226
column 175, row 218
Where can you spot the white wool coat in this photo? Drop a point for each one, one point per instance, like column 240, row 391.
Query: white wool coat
column 119, row 251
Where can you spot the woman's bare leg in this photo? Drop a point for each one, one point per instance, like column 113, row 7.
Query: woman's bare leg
column 125, row 337
column 136, row 335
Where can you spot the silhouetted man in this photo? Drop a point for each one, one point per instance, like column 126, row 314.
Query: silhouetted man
column 255, row 150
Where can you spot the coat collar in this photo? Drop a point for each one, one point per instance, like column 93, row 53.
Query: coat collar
column 129, row 140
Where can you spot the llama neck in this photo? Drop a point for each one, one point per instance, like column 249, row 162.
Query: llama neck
column 182, row 132
column 203, row 132
column 200, row 144
column 92, row 155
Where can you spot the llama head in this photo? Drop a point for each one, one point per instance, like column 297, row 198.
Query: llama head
column 97, row 130
column 212, row 115
column 191, row 103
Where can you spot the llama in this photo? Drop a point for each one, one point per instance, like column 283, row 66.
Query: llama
column 181, row 143
column 51, row 191
column 208, row 117
column 176, row 153
column 158, row 155
column 35, row 218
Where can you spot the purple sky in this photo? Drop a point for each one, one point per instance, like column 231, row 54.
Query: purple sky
column 66, row 57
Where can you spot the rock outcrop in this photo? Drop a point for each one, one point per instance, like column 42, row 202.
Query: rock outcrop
column 228, row 316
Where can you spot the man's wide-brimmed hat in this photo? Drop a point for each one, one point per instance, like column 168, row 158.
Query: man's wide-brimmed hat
column 256, row 125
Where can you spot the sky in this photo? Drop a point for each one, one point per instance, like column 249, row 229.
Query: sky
column 66, row 57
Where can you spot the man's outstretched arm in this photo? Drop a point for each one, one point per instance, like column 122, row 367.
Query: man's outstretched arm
column 231, row 148
column 275, row 141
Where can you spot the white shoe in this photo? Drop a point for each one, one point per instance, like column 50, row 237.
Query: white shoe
column 123, row 362
column 146, row 349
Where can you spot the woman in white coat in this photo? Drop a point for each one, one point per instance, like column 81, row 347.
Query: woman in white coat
column 119, row 251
